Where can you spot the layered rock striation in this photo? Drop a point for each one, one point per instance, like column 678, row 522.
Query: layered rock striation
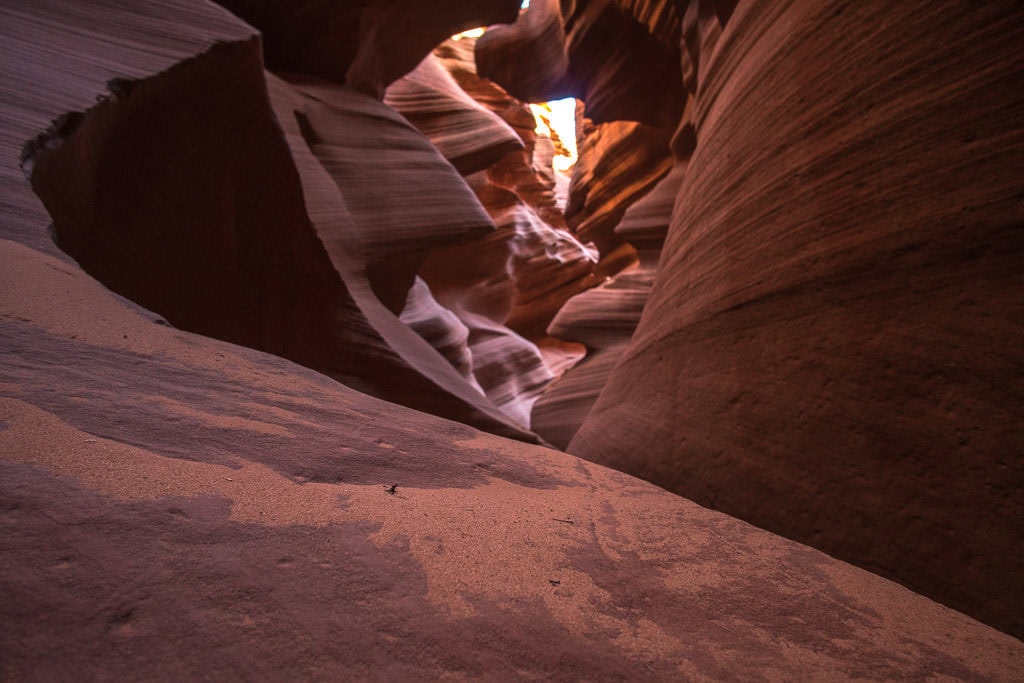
column 831, row 349
column 178, row 506
column 218, row 233
column 604, row 318
column 384, row 198
column 505, row 286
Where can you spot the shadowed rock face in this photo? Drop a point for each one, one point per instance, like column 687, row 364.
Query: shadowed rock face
column 303, row 244
column 367, row 44
column 596, row 51
column 832, row 347
column 179, row 507
column 619, row 162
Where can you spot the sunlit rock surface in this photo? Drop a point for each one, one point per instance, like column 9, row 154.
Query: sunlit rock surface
column 832, row 347
column 550, row 264
column 629, row 77
column 619, row 163
column 528, row 173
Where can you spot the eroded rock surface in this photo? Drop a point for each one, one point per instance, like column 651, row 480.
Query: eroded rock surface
column 599, row 52
column 367, row 44
column 832, row 348
column 619, row 163
column 180, row 507
column 604, row 318
column 505, row 286
column 470, row 136
column 304, row 244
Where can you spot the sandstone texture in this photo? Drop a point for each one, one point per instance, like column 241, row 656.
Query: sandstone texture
column 304, row 244
column 604, row 318
column 503, row 286
column 195, row 480
column 832, row 349
column 605, row 53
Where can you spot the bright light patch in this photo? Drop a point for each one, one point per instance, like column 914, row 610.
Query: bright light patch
column 558, row 116
column 541, row 116
column 471, row 33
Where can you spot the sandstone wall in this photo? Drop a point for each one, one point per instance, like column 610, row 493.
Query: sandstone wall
column 833, row 346
column 291, row 216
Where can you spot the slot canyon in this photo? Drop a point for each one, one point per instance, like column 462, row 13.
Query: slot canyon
column 499, row 340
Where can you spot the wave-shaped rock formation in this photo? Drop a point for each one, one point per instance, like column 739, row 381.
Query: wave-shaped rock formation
column 177, row 506
column 322, row 287
column 620, row 162
column 527, row 268
column 831, row 349
column 605, row 317
column 623, row 62
column 627, row 69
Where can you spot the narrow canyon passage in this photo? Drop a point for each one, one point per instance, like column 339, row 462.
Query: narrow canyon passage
column 731, row 291
column 477, row 262
column 406, row 239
